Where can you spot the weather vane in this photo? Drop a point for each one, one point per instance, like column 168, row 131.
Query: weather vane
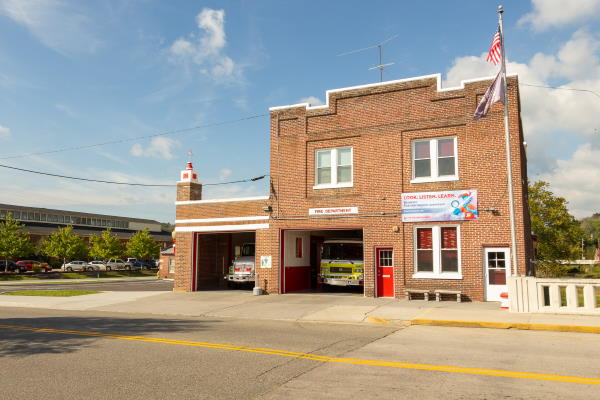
column 381, row 65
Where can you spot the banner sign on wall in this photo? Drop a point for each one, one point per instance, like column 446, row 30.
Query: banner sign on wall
column 453, row 205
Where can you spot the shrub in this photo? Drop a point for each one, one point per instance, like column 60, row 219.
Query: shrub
column 550, row 269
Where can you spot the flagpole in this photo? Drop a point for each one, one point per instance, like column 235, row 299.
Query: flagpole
column 511, row 205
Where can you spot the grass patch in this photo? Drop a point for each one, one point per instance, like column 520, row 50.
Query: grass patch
column 15, row 277
column 51, row 293
column 107, row 274
column 78, row 275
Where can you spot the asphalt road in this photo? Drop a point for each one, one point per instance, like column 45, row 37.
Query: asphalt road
column 193, row 358
column 119, row 286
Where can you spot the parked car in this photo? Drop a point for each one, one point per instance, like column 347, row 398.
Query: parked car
column 117, row 263
column 100, row 264
column 79, row 266
column 30, row 264
column 11, row 266
column 141, row 265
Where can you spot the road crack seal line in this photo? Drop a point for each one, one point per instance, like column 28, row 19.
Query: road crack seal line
column 323, row 359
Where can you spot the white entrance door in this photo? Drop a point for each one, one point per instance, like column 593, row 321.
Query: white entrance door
column 497, row 268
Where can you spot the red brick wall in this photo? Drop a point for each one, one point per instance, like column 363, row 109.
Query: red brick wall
column 183, row 261
column 221, row 210
column 207, row 272
column 163, row 269
column 379, row 122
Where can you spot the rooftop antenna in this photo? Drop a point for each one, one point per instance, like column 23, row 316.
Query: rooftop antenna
column 381, row 65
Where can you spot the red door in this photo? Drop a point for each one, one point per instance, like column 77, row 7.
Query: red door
column 385, row 272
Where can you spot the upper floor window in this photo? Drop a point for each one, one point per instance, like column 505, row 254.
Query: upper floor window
column 434, row 160
column 333, row 168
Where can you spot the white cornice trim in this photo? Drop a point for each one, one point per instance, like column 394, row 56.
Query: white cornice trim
column 184, row 202
column 226, row 219
column 438, row 78
column 221, row 228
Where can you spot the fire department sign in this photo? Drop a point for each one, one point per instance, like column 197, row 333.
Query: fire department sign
column 333, row 211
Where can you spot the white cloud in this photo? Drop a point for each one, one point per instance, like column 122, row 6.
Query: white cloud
column 259, row 188
column 58, row 24
column 555, row 121
column 576, row 179
column 206, row 51
column 312, row 100
column 212, row 21
column 66, row 109
column 4, row 131
column 547, row 110
column 241, row 103
column 557, row 13
column 224, row 173
column 159, row 147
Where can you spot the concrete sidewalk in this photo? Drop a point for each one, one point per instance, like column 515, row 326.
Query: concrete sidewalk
column 341, row 308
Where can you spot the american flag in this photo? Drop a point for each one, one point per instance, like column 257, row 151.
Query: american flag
column 495, row 54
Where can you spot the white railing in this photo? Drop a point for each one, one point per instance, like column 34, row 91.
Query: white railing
column 554, row 295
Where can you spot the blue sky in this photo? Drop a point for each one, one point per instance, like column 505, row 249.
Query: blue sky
column 77, row 73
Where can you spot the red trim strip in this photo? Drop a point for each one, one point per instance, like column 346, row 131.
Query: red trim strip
column 194, row 262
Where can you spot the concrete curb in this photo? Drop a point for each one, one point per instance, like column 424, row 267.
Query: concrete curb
column 507, row 325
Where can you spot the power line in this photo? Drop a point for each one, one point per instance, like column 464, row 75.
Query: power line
column 124, row 183
column 185, row 130
column 561, row 88
column 174, row 132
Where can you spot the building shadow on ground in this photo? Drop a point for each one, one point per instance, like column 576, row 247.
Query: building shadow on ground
column 18, row 342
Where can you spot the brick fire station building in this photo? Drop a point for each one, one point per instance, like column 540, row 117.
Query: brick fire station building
column 399, row 165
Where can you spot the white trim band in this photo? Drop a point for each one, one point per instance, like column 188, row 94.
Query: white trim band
column 227, row 219
column 221, row 228
column 437, row 76
column 184, row 202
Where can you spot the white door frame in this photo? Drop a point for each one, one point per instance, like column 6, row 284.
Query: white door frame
column 492, row 292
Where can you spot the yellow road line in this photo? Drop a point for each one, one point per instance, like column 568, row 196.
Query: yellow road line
column 314, row 357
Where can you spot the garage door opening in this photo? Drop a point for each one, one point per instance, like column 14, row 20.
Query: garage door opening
column 323, row 261
column 225, row 260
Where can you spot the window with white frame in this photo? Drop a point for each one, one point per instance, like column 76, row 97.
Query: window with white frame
column 333, row 168
column 434, row 160
column 437, row 252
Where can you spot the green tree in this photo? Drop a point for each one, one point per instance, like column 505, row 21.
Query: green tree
column 142, row 246
column 65, row 245
column 558, row 232
column 105, row 246
column 591, row 229
column 13, row 241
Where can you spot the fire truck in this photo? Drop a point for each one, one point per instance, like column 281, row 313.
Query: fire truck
column 243, row 267
column 342, row 262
